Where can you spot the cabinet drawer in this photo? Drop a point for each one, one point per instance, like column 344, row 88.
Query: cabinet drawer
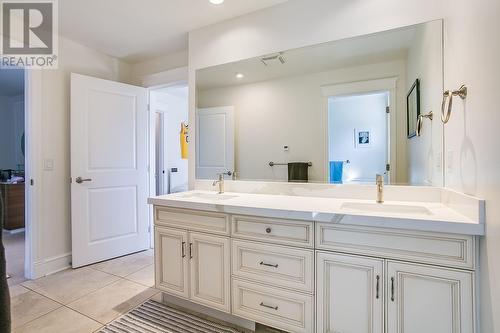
column 274, row 307
column 417, row 246
column 214, row 223
column 283, row 266
column 290, row 232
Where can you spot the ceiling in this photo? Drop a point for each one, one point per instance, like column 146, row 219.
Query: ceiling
column 11, row 82
column 181, row 91
column 136, row 30
column 375, row 48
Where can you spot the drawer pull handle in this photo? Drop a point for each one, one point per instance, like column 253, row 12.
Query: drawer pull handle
column 268, row 230
column 377, row 296
column 190, row 250
column 268, row 265
column 392, row 289
column 183, row 249
column 269, row 306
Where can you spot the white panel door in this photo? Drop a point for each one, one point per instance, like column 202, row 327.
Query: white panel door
column 350, row 294
column 172, row 268
column 109, row 169
column 428, row 299
column 210, row 270
column 214, row 141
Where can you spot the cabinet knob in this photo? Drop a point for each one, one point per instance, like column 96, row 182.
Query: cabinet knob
column 268, row 230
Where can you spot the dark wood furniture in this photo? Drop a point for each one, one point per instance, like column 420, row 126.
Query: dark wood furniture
column 12, row 208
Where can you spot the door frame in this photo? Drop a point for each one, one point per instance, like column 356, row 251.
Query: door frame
column 363, row 87
column 33, row 268
column 169, row 78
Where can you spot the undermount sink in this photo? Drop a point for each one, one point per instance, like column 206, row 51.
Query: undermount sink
column 367, row 207
column 209, row 196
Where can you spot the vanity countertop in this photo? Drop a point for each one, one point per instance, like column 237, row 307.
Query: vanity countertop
column 422, row 216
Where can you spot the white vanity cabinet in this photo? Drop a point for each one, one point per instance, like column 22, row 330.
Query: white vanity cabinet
column 423, row 298
column 273, row 272
column 306, row 276
column 350, row 293
column 354, row 291
column 191, row 264
column 171, row 263
column 210, row 267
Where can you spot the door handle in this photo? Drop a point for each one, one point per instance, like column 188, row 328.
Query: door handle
column 190, row 250
column 183, row 248
column 377, row 288
column 80, row 180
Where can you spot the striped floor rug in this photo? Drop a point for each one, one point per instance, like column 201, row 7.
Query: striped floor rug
column 154, row 317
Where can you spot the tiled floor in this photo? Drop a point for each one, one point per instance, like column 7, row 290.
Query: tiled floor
column 14, row 253
column 84, row 300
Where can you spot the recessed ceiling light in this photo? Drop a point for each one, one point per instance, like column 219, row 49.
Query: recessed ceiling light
column 239, row 76
column 216, row 2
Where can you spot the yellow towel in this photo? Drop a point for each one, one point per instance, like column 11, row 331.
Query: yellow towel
column 184, row 137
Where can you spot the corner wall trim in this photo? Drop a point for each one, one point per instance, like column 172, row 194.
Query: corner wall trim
column 51, row 265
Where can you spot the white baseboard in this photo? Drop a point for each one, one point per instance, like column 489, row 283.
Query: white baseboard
column 14, row 231
column 51, row 265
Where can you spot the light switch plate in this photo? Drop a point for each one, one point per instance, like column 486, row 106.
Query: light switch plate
column 48, row 164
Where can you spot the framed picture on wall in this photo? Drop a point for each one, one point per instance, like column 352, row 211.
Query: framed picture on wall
column 362, row 138
column 413, row 109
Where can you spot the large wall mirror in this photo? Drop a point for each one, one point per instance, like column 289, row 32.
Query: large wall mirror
column 339, row 112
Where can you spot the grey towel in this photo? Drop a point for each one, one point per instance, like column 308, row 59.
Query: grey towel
column 298, row 172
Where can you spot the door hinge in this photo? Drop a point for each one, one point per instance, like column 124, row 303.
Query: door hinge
column 388, row 167
column 149, row 229
column 149, row 107
column 387, row 109
column 32, row 182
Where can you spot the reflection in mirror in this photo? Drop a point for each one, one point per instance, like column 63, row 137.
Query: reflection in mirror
column 339, row 112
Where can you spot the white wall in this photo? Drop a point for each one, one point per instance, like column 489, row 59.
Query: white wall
column 54, row 224
column 363, row 112
column 425, row 153
column 175, row 110
column 292, row 111
column 471, row 56
column 473, row 166
column 140, row 71
column 11, row 131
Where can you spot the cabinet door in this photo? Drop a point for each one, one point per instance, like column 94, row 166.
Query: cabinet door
column 349, row 294
column 428, row 299
column 210, row 270
column 171, row 261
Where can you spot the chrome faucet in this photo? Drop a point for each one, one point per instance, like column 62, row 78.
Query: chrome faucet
column 220, row 181
column 380, row 188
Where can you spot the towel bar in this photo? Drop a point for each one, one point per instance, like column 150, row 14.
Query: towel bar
column 273, row 163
